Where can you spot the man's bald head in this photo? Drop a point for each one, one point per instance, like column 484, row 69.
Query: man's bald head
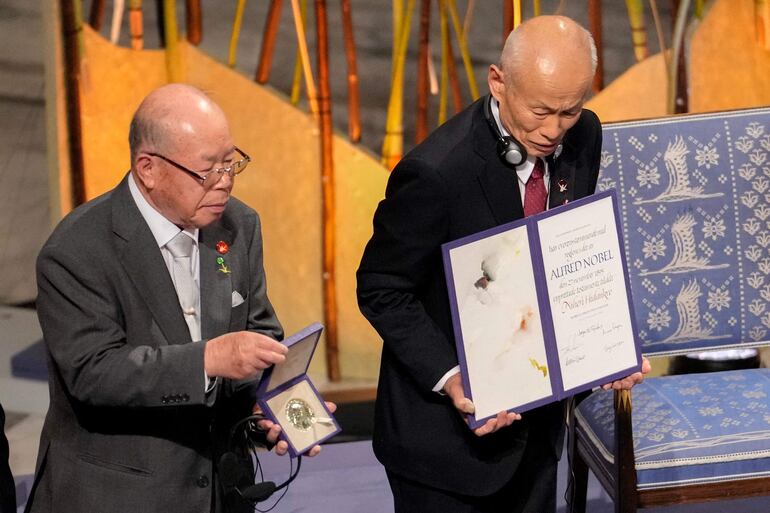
column 542, row 81
column 178, row 138
column 169, row 114
column 547, row 45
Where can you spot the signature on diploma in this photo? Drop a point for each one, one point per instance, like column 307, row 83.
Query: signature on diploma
column 611, row 346
column 578, row 338
column 574, row 352
column 573, row 359
column 588, row 330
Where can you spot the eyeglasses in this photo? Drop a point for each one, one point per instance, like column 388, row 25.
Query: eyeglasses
column 212, row 177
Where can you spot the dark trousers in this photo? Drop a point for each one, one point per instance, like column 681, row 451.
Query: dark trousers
column 7, row 486
column 531, row 490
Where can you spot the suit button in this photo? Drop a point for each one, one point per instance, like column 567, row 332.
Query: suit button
column 203, row 482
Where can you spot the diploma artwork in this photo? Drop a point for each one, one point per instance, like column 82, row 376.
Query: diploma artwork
column 541, row 307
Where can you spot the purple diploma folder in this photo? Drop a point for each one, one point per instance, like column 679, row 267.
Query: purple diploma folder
column 542, row 307
column 288, row 397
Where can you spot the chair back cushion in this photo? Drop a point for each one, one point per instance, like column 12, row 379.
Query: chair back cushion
column 695, row 201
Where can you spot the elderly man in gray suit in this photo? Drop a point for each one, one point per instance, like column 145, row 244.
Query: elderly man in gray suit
column 153, row 304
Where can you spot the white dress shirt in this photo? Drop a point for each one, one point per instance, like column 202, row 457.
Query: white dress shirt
column 163, row 231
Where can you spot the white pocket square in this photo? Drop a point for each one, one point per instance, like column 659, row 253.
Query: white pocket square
column 237, row 299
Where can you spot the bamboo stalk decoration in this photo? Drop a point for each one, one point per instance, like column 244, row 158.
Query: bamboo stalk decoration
column 194, row 19
column 507, row 18
column 449, row 80
column 673, row 8
column 268, row 41
column 312, row 95
column 595, row 24
column 393, row 143
column 72, row 29
column 659, row 33
column 173, row 54
column 762, row 22
column 462, row 42
column 516, row 13
column 432, row 77
column 81, row 44
column 423, row 85
column 677, row 92
column 454, row 81
column 327, row 184
column 236, row 33
column 136, row 24
column 354, row 109
column 700, row 5
column 638, row 28
column 96, row 15
column 160, row 20
column 468, row 19
column 682, row 100
column 397, row 8
column 296, row 84
column 117, row 20
column 444, row 83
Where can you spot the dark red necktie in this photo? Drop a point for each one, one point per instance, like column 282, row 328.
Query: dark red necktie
column 535, row 194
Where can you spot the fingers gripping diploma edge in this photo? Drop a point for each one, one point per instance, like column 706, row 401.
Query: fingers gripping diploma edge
column 628, row 382
column 454, row 389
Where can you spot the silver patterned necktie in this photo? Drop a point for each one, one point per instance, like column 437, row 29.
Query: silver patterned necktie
column 180, row 248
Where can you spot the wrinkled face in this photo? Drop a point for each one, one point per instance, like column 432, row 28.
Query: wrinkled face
column 538, row 109
column 180, row 197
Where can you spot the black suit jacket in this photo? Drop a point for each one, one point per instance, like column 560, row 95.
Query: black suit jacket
column 7, row 486
column 450, row 186
column 130, row 427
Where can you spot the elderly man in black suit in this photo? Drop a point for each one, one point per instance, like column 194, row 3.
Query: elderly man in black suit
column 153, row 304
column 528, row 145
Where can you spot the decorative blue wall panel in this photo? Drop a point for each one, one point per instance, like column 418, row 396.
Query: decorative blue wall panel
column 695, row 201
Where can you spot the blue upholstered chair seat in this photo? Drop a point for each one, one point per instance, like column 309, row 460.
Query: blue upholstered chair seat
column 689, row 429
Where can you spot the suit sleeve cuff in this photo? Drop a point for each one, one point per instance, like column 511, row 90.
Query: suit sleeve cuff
column 439, row 388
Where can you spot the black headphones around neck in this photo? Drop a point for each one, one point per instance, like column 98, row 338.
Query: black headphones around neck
column 510, row 151
column 237, row 472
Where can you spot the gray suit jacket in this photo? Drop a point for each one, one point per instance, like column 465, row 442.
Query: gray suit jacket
column 130, row 427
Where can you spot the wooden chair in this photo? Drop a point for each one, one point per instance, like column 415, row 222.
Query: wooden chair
column 696, row 219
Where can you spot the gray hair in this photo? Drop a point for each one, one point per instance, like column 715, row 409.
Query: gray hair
column 142, row 133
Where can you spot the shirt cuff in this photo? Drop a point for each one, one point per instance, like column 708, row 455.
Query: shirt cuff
column 210, row 383
column 440, row 385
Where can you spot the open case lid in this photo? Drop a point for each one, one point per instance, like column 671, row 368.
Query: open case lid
column 301, row 348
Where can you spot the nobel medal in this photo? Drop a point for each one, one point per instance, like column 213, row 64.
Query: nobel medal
column 299, row 414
